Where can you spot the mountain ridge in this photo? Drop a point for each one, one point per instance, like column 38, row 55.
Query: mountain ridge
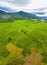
column 19, row 14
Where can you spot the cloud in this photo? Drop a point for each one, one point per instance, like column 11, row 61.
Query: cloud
column 6, row 9
column 25, row 5
column 22, row 2
column 7, row 5
column 42, row 15
column 18, row 2
column 15, row 4
column 42, row 12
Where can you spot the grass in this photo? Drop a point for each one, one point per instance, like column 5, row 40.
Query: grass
column 25, row 34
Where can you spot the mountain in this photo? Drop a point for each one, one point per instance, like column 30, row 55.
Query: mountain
column 2, row 12
column 41, row 15
column 7, row 16
column 26, row 15
column 20, row 14
column 44, row 17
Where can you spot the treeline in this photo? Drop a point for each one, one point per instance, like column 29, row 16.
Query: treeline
column 7, row 19
column 12, row 18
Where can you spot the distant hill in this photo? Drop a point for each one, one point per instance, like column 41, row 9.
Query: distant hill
column 2, row 12
column 26, row 15
column 44, row 17
column 20, row 14
column 39, row 15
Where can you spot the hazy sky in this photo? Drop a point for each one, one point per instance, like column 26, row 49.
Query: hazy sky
column 25, row 5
